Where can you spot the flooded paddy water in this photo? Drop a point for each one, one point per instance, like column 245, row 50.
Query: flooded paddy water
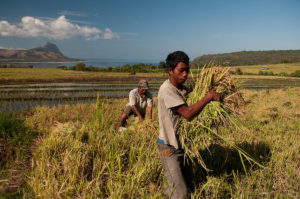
column 14, row 97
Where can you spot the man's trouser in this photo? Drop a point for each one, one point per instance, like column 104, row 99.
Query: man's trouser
column 172, row 161
column 128, row 111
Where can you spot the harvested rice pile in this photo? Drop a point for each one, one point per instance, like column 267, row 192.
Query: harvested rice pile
column 203, row 129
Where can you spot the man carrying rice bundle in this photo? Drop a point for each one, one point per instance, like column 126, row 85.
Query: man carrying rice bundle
column 171, row 106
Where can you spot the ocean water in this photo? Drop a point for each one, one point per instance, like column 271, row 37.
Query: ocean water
column 101, row 63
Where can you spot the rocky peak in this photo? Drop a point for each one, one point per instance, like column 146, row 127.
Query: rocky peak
column 49, row 52
column 51, row 47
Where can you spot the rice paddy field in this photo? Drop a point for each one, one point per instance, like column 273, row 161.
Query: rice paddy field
column 17, row 94
column 65, row 143
column 275, row 68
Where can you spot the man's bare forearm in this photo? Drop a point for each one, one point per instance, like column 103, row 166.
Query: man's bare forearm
column 150, row 112
column 189, row 112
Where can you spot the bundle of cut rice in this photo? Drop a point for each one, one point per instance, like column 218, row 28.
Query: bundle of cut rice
column 203, row 129
column 219, row 77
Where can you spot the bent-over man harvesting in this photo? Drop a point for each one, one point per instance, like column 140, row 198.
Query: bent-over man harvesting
column 140, row 100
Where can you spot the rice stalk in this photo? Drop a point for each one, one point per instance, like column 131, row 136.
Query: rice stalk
column 203, row 129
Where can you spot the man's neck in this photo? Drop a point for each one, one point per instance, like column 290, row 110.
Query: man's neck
column 174, row 83
column 141, row 94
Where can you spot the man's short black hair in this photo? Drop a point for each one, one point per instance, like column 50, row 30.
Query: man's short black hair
column 175, row 57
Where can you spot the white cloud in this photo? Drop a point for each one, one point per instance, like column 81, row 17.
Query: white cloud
column 2, row 47
column 108, row 34
column 59, row 28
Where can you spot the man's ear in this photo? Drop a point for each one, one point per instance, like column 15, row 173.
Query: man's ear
column 170, row 71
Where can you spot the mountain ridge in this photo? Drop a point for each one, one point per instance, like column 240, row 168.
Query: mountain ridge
column 250, row 58
column 46, row 53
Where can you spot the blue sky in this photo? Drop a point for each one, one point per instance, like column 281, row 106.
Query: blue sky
column 140, row 29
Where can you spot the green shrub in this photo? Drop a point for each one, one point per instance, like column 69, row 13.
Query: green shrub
column 238, row 71
column 62, row 67
column 162, row 64
column 80, row 66
column 127, row 68
column 92, row 68
column 283, row 74
column 296, row 73
column 9, row 126
column 267, row 73
column 17, row 138
column 270, row 73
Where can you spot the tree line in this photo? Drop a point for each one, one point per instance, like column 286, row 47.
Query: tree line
column 135, row 68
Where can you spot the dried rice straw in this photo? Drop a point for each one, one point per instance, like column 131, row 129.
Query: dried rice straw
column 203, row 129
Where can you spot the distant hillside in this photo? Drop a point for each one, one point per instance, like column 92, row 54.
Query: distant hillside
column 250, row 57
column 49, row 52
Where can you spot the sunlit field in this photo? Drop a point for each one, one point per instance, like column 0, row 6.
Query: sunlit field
column 68, row 73
column 61, row 140
column 76, row 151
column 275, row 68
column 55, row 74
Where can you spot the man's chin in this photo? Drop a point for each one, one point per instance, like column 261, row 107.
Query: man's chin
column 182, row 81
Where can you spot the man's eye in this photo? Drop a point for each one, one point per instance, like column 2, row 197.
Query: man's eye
column 182, row 70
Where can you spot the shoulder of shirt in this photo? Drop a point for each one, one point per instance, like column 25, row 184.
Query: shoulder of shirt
column 168, row 87
column 133, row 91
column 165, row 84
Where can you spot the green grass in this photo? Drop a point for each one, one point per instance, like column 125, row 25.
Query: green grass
column 16, row 141
column 53, row 73
column 253, row 70
column 82, row 155
column 16, row 137
column 91, row 159
column 275, row 68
